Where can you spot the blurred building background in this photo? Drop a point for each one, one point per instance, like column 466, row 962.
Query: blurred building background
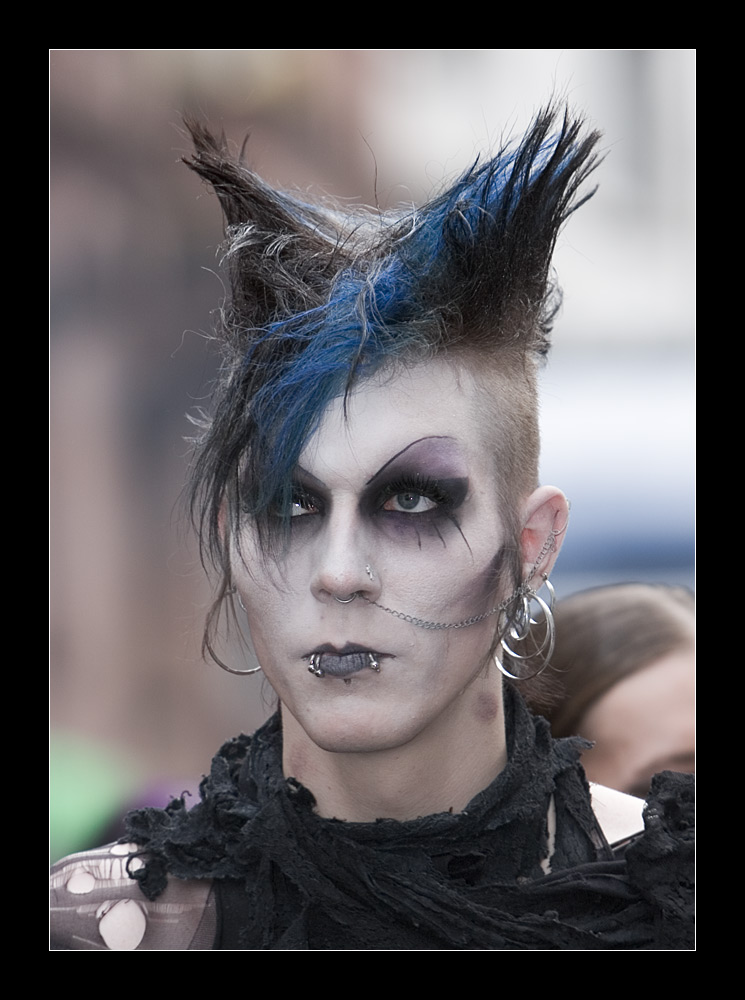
column 133, row 283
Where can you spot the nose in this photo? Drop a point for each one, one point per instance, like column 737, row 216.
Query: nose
column 344, row 565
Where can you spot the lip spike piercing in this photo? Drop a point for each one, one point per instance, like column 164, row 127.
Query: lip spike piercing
column 315, row 665
column 315, row 668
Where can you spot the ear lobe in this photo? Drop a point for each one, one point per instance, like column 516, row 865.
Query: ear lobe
column 545, row 519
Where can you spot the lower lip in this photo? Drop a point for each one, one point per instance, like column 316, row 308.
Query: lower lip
column 345, row 665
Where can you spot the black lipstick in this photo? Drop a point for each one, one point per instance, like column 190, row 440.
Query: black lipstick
column 328, row 660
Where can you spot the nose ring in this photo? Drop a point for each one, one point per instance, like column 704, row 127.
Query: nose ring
column 347, row 600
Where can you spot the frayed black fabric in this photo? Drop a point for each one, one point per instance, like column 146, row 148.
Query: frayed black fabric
column 288, row 879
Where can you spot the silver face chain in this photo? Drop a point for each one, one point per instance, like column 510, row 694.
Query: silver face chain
column 442, row 625
column 523, row 590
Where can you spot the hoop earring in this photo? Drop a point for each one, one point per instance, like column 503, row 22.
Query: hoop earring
column 231, row 592
column 232, row 670
column 519, row 629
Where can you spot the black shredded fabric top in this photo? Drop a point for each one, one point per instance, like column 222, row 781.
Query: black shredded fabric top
column 285, row 878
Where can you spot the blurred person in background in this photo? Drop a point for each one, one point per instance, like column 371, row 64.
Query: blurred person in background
column 624, row 658
column 366, row 488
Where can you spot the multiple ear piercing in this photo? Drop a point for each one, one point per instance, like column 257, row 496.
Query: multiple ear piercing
column 520, row 629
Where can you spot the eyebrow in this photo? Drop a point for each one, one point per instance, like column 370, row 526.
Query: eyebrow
column 309, row 475
column 429, row 437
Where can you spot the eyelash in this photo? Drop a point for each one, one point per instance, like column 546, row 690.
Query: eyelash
column 302, row 498
column 416, row 484
column 421, row 486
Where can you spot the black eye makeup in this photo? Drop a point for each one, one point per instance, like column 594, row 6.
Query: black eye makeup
column 303, row 502
column 414, row 494
column 423, row 484
column 409, row 494
column 308, row 496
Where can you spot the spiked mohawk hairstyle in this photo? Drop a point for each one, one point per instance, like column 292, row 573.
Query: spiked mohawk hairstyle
column 320, row 299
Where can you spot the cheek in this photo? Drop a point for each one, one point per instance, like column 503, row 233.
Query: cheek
column 263, row 613
column 266, row 592
column 473, row 591
column 439, row 587
column 419, row 532
column 444, row 560
column 276, row 623
column 413, row 530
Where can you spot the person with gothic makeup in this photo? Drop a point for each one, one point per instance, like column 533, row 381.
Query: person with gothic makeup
column 366, row 489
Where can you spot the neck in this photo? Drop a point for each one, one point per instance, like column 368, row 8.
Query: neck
column 440, row 770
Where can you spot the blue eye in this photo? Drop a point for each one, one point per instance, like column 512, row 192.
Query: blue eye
column 410, row 502
column 413, row 493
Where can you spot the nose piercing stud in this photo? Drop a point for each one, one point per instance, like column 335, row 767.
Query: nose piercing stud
column 347, row 600
column 369, row 572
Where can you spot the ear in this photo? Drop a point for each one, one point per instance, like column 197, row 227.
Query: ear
column 545, row 519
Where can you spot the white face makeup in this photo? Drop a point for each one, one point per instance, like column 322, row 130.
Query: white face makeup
column 396, row 501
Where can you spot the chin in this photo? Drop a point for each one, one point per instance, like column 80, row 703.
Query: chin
column 356, row 743
column 355, row 734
